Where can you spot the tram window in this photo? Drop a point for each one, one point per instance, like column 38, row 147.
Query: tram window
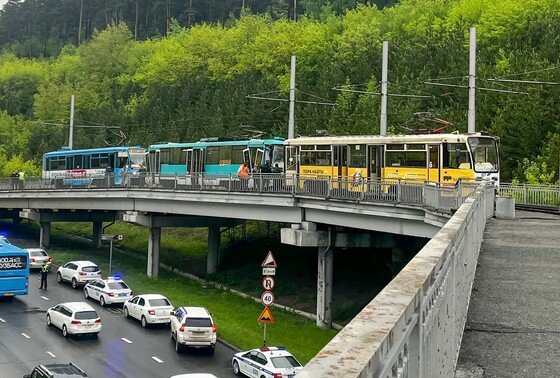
column 357, row 156
column 416, row 147
column 323, row 147
column 177, row 156
column 455, row 155
column 397, row 147
column 212, row 155
column 164, row 156
column 416, row 159
column 278, row 156
column 76, row 162
column 225, row 155
column 57, row 163
column 315, row 158
column 406, row 159
column 237, row 154
column 394, row 159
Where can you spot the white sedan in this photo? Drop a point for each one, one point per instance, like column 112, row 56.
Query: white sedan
column 108, row 291
column 149, row 309
column 266, row 362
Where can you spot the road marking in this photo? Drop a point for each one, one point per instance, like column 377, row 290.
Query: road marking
column 45, row 298
column 24, row 335
column 157, row 360
column 126, row 340
column 2, row 320
column 51, row 354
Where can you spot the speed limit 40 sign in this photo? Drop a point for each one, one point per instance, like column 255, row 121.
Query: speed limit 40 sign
column 267, row 298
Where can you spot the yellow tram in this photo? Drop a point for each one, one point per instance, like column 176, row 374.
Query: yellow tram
column 437, row 158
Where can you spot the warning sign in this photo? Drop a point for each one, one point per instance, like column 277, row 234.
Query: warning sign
column 269, row 261
column 266, row 316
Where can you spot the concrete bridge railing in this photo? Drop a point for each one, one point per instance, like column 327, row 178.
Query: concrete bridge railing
column 413, row 328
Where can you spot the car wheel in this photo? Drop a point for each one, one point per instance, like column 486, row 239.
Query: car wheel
column 178, row 346
column 126, row 314
column 102, row 301
column 74, row 283
column 236, row 370
column 59, row 278
column 49, row 320
column 86, row 294
column 64, row 331
column 144, row 321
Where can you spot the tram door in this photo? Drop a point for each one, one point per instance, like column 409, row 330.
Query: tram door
column 195, row 164
column 247, row 159
column 374, row 162
column 433, row 172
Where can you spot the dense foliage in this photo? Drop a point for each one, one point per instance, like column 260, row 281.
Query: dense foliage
column 194, row 82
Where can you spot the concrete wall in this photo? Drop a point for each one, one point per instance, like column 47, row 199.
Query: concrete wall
column 413, row 328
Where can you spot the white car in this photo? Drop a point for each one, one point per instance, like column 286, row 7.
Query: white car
column 149, row 309
column 108, row 291
column 37, row 257
column 193, row 327
column 74, row 318
column 78, row 273
column 266, row 362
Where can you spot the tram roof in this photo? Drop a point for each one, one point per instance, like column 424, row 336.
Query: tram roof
column 102, row 150
column 204, row 144
column 388, row 139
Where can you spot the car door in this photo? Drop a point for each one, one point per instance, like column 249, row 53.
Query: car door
column 176, row 319
column 55, row 315
column 133, row 307
column 69, row 271
column 99, row 289
column 141, row 308
column 245, row 364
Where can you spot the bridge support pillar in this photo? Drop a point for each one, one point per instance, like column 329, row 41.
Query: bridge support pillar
column 154, row 240
column 44, row 234
column 324, row 287
column 96, row 235
column 213, row 249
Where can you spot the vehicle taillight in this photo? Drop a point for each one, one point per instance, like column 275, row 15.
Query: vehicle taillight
column 111, row 294
column 214, row 328
column 152, row 312
column 75, row 322
column 98, row 321
column 182, row 329
column 32, row 259
column 51, row 259
column 82, row 273
column 277, row 375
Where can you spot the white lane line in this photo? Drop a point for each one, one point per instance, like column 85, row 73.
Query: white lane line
column 157, row 360
column 51, row 354
column 45, row 298
column 2, row 320
column 126, row 340
column 24, row 335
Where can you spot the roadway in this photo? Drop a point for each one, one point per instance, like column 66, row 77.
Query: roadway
column 123, row 348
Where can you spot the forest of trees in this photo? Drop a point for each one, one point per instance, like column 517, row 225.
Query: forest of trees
column 194, row 81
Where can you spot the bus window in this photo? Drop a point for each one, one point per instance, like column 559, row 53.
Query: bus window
column 455, row 155
column 225, row 155
column 237, row 154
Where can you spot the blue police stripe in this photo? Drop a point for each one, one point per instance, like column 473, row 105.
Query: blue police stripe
column 250, row 362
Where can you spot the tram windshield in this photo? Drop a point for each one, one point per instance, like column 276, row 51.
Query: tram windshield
column 138, row 158
column 484, row 154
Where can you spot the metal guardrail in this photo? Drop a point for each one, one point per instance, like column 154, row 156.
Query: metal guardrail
column 339, row 188
column 529, row 194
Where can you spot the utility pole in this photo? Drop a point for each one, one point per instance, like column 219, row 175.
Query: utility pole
column 81, row 20
column 472, row 82
column 291, row 121
column 295, row 10
column 71, row 136
column 168, row 19
column 384, row 69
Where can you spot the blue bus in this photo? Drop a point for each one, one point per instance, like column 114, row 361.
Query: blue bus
column 67, row 167
column 14, row 270
column 214, row 156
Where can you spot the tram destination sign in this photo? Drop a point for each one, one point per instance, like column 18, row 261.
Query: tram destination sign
column 13, row 262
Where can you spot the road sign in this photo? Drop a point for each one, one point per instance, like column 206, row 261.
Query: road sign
column 266, row 316
column 269, row 261
column 111, row 237
column 269, row 272
column 267, row 298
column 268, row 283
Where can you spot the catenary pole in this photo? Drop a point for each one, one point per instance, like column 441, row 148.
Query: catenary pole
column 384, row 69
column 291, row 120
column 71, row 136
column 472, row 82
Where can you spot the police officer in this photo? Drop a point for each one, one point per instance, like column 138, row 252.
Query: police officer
column 44, row 273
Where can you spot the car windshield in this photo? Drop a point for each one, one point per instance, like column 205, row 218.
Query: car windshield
column 38, row 253
column 198, row 322
column 90, row 269
column 117, row 285
column 283, row 362
column 159, row 302
column 86, row 315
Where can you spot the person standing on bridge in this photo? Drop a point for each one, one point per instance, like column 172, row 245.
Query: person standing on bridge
column 44, row 273
column 22, row 176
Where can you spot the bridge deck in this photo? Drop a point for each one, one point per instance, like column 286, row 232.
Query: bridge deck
column 513, row 324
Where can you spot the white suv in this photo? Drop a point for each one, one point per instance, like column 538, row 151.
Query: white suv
column 78, row 273
column 74, row 318
column 194, row 327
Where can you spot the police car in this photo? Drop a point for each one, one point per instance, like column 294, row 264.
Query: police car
column 266, row 362
column 108, row 291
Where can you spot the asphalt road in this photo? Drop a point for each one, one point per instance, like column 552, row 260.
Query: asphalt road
column 123, row 348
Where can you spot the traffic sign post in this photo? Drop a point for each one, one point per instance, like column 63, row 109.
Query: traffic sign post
column 267, row 298
column 110, row 238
